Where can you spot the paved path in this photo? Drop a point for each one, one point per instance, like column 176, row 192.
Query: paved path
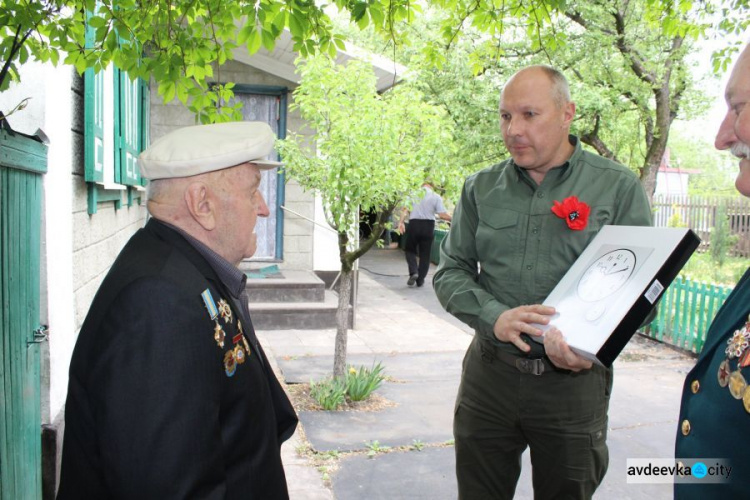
column 421, row 348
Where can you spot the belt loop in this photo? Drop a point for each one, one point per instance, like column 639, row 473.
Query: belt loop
column 486, row 354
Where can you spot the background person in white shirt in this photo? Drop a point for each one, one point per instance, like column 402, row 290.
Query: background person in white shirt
column 421, row 233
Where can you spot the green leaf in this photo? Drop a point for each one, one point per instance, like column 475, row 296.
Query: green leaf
column 244, row 34
column 254, row 42
column 80, row 65
column 363, row 22
column 97, row 22
column 280, row 21
column 295, row 25
column 167, row 91
column 268, row 40
column 181, row 92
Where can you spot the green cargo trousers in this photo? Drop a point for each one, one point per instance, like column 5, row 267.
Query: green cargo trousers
column 500, row 410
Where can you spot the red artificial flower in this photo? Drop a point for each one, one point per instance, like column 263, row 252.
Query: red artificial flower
column 575, row 213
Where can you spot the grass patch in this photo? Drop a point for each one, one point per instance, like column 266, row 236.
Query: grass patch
column 701, row 267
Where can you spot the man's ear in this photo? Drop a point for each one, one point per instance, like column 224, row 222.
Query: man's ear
column 201, row 205
column 569, row 112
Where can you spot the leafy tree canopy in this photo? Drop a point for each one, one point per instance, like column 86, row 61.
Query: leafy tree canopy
column 628, row 62
column 181, row 44
column 367, row 152
column 370, row 150
column 178, row 43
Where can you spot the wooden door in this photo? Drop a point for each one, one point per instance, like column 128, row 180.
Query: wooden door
column 22, row 163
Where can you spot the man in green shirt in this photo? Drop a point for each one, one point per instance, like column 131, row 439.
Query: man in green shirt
column 505, row 252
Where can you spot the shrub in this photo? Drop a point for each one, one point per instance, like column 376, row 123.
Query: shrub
column 722, row 239
column 361, row 383
column 328, row 393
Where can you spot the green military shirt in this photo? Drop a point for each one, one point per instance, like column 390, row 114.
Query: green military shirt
column 506, row 248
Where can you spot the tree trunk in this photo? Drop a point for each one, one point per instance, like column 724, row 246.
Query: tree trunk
column 342, row 324
column 648, row 175
column 345, row 288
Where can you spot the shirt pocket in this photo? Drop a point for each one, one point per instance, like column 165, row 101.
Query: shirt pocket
column 565, row 244
column 498, row 242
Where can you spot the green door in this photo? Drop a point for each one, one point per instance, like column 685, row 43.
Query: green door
column 22, row 163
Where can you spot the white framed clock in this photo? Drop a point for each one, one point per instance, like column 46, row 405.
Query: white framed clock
column 606, row 275
column 613, row 285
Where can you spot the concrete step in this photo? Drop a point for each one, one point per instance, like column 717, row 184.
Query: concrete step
column 290, row 287
column 296, row 315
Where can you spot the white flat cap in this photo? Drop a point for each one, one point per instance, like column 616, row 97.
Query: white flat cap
column 205, row 148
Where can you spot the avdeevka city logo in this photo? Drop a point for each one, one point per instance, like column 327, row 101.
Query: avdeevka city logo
column 667, row 470
column 699, row 470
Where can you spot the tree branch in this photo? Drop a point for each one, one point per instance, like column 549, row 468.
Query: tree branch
column 592, row 139
column 630, row 54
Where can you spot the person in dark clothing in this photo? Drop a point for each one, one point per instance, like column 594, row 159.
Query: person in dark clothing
column 170, row 394
column 715, row 411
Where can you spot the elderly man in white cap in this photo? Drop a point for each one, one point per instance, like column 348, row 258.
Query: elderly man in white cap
column 170, row 394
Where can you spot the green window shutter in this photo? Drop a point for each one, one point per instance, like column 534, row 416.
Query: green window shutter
column 130, row 135
column 117, row 126
column 93, row 127
column 144, row 121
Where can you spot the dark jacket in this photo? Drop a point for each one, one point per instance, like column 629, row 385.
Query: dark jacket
column 151, row 411
column 718, row 425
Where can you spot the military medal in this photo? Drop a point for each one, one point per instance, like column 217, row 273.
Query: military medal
column 239, row 354
column 724, row 373
column 737, row 385
column 210, row 304
column 738, row 343
column 219, row 335
column 225, row 311
column 737, row 348
column 230, row 363
column 244, row 337
column 744, row 359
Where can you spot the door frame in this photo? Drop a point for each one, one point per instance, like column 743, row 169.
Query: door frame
column 282, row 94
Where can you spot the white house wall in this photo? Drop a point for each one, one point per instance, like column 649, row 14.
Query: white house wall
column 98, row 238
column 298, row 232
column 77, row 248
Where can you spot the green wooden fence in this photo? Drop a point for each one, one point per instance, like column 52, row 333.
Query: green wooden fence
column 435, row 251
column 686, row 311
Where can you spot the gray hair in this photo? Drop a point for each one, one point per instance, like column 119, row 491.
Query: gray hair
column 560, row 87
column 155, row 189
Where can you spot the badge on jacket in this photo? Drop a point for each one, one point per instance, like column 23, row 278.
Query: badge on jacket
column 737, row 348
column 240, row 349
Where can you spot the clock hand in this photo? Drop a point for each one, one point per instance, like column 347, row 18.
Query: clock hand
column 618, row 271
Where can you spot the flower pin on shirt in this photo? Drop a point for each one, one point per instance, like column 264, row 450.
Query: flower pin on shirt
column 575, row 213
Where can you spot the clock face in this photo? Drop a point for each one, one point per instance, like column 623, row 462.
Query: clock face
column 606, row 275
